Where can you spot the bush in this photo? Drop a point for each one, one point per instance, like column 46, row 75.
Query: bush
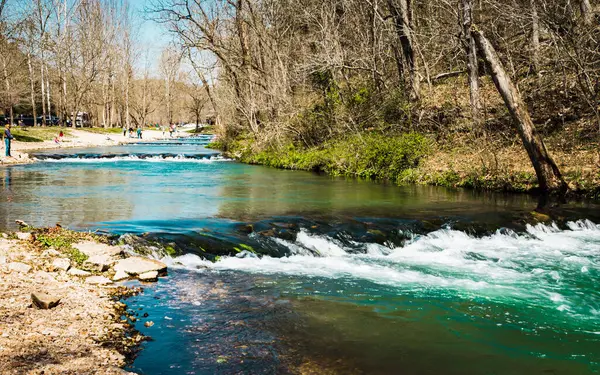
column 372, row 156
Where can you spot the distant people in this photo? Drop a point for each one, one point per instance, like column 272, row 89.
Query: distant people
column 164, row 130
column 8, row 137
column 130, row 132
column 139, row 132
column 171, row 130
column 61, row 135
column 124, row 131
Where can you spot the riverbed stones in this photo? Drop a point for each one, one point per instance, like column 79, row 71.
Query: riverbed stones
column 91, row 249
column 97, row 280
column 62, row 264
column 148, row 276
column 78, row 272
column 24, row 236
column 44, row 301
column 19, row 267
column 120, row 276
column 138, row 265
column 51, row 252
column 99, row 263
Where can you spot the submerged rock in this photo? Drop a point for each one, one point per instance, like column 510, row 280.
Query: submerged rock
column 138, row 265
column 140, row 245
column 19, row 267
column 149, row 276
column 44, row 301
column 246, row 254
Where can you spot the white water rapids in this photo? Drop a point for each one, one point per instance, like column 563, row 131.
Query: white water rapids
column 544, row 267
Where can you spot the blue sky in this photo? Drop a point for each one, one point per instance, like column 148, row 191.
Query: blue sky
column 151, row 36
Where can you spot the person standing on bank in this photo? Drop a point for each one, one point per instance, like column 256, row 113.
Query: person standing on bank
column 7, row 139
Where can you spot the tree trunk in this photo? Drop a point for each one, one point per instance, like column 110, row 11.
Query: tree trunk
column 402, row 21
column 8, row 92
column 32, row 82
column 586, row 12
column 535, row 38
column 43, row 87
column 548, row 174
column 472, row 66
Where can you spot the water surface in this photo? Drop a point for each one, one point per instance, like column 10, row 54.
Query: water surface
column 376, row 279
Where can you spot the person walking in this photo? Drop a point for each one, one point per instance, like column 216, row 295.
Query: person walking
column 124, row 131
column 139, row 132
column 7, row 139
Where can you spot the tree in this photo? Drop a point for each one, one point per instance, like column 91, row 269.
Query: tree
column 548, row 174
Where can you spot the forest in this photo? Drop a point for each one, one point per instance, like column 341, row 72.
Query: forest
column 498, row 94
column 61, row 58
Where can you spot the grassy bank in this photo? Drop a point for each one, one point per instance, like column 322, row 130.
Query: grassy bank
column 25, row 134
column 413, row 158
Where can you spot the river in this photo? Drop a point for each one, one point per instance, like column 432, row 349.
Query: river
column 362, row 277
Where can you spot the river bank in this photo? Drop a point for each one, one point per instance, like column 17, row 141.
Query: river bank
column 414, row 158
column 74, row 138
column 60, row 311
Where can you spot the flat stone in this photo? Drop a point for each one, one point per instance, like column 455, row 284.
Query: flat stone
column 44, row 301
column 99, row 263
column 3, row 260
column 149, row 276
column 78, row 272
column 24, row 236
column 62, row 264
column 19, row 267
column 138, row 265
column 120, row 275
column 91, row 249
column 97, row 280
column 42, row 276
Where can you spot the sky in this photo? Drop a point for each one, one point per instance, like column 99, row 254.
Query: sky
column 151, row 35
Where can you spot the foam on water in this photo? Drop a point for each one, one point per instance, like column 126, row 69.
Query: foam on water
column 135, row 158
column 540, row 267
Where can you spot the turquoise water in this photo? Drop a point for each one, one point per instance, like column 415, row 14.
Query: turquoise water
column 363, row 278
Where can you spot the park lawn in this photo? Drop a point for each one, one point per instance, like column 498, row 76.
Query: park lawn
column 103, row 130
column 27, row 134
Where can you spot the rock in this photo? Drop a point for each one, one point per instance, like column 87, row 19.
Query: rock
column 61, row 264
column 246, row 254
column 4, row 235
column 42, row 276
column 24, row 236
column 51, row 252
column 91, row 249
column 98, row 280
column 149, row 324
column 120, row 275
column 139, row 245
column 19, row 267
column 99, row 263
column 138, row 265
column 149, row 276
column 44, row 301
column 78, row 272
column 3, row 260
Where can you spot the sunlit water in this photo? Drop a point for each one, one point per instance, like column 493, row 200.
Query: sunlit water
column 376, row 279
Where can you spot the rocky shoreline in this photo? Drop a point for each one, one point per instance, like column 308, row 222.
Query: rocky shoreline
column 60, row 305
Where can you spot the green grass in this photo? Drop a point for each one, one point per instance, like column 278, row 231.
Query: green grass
column 370, row 155
column 37, row 134
column 204, row 130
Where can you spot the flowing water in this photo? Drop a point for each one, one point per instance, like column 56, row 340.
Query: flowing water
column 361, row 278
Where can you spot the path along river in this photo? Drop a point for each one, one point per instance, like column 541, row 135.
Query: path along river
column 364, row 278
